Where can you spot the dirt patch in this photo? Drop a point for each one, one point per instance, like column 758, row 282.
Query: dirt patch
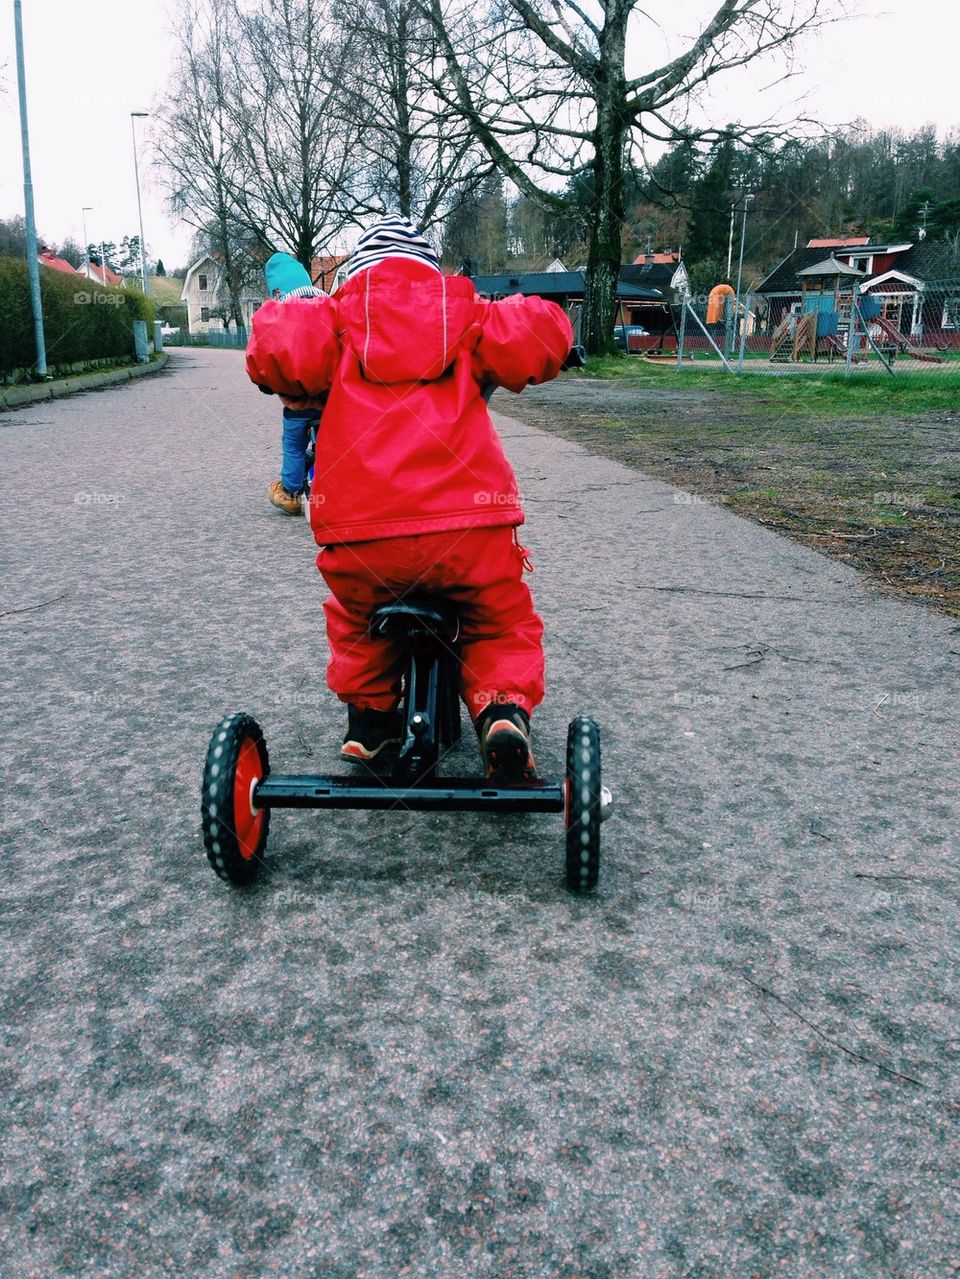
column 881, row 494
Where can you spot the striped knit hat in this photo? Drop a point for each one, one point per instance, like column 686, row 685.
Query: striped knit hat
column 392, row 237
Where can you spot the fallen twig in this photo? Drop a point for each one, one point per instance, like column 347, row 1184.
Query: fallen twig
column 834, row 1043
column 695, row 590
column 30, row 607
column 863, row 874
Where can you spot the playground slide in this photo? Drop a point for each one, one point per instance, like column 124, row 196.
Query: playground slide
column 903, row 342
column 835, row 343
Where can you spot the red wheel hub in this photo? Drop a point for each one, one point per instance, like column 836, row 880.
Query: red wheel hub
column 247, row 822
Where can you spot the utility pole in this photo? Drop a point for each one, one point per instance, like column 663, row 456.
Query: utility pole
column 743, row 235
column 33, row 265
column 925, row 210
column 139, row 115
column 733, row 210
column 87, row 208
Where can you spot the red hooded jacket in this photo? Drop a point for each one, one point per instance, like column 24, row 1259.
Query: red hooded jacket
column 403, row 353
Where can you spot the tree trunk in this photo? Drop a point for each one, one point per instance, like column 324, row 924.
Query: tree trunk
column 608, row 211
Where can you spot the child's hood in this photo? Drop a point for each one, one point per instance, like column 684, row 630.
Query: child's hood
column 404, row 321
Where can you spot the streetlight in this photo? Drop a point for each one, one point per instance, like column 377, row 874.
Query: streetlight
column 743, row 235
column 87, row 208
column 33, row 265
column 139, row 115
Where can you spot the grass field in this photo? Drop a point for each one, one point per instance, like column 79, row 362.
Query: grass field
column 867, row 471
column 869, row 390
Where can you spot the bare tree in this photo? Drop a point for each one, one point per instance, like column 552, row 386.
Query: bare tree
column 301, row 150
column 197, row 146
column 544, row 86
column 259, row 149
column 419, row 155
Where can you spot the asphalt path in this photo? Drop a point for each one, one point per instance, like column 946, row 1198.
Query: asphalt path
column 407, row 1051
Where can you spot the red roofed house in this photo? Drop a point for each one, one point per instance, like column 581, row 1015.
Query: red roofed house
column 103, row 275
column 655, row 259
column 328, row 272
column 47, row 257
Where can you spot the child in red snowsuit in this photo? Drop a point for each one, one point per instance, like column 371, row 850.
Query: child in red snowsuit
column 412, row 490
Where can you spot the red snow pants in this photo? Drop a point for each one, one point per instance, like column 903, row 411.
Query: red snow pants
column 478, row 569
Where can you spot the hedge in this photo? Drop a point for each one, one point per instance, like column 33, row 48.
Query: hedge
column 81, row 320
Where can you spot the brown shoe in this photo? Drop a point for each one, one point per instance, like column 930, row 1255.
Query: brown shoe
column 282, row 500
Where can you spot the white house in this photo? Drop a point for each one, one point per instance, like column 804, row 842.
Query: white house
column 205, row 295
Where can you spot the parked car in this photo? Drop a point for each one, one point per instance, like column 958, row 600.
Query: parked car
column 622, row 334
column 167, row 330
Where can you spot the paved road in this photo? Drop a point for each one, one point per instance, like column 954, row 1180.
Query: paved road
column 407, row 1051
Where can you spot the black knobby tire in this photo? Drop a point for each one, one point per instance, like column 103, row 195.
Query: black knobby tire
column 583, row 805
column 234, row 835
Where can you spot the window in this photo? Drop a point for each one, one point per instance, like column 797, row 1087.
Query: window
column 893, row 308
column 204, row 313
column 862, row 264
column 951, row 313
column 202, row 283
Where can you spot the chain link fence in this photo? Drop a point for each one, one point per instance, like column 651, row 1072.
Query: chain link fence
column 235, row 339
column 901, row 332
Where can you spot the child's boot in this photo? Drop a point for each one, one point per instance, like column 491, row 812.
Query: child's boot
column 368, row 732
column 504, row 733
column 284, row 501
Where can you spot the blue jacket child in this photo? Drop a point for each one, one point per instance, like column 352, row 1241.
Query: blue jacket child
column 288, row 278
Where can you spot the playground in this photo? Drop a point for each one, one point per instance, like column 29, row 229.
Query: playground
column 829, row 313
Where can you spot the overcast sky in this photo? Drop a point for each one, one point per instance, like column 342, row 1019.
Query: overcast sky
column 90, row 64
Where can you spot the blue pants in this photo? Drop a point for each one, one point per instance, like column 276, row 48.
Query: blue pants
column 296, row 436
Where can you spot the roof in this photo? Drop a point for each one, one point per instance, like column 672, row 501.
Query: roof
column 105, row 275
column 931, row 261
column 927, row 260
column 851, row 241
column 652, row 275
column 557, row 284
column 830, row 266
column 48, row 258
column 656, row 259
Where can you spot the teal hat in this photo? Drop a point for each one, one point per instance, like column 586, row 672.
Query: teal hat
column 285, row 274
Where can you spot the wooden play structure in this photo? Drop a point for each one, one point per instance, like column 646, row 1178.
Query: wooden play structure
column 830, row 294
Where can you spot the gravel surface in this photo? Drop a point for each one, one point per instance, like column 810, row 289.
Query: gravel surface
column 407, row 1051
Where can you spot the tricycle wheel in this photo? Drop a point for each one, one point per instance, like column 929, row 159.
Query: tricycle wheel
column 582, row 809
column 234, row 831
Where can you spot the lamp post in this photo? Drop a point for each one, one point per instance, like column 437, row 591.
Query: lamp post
column 33, row 265
column 733, row 214
column 743, row 235
column 87, row 208
column 139, row 115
